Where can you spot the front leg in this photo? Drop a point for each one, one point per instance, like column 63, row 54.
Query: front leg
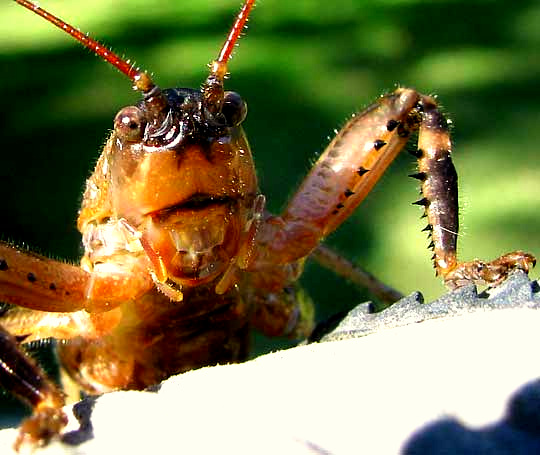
column 32, row 281
column 349, row 168
column 63, row 296
column 22, row 376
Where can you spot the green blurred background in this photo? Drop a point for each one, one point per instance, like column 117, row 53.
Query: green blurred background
column 304, row 68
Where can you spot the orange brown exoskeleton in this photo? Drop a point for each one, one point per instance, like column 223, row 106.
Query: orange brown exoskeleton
column 181, row 259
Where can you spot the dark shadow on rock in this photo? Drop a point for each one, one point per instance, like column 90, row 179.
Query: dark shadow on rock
column 518, row 433
column 327, row 326
column 153, row 388
column 83, row 413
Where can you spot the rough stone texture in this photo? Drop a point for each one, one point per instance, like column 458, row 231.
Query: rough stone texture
column 517, row 292
column 463, row 381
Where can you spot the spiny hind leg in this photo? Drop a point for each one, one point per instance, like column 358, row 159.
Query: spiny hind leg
column 439, row 188
column 351, row 165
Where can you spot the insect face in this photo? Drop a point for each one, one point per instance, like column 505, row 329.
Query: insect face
column 186, row 137
column 168, row 175
column 172, row 211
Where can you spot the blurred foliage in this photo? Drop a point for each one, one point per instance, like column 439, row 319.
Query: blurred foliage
column 304, row 68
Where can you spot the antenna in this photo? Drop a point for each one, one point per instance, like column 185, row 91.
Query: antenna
column 212, row 89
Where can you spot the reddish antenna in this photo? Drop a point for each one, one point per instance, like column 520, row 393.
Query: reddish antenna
column 232, row 38
column 212, row 89
column 141, row 81
column 156, row 102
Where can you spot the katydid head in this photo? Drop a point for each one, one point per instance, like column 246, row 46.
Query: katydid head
column 178, row 168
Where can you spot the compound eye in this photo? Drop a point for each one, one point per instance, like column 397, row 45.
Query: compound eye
column 234, row 109
column 129, row 124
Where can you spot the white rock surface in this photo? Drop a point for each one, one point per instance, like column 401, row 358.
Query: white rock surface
column 362, row 395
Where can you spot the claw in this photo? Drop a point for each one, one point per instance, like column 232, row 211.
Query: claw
column 42, row 426
column 489, row 273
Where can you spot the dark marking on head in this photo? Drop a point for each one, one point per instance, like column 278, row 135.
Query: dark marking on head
column 348, row 193
column 392, row 125
column 340, row 206
column 52, row 287
column 3, row 265
column 31, row 277
column 417, row 153
column 361, row 171
column 419, row 176
column 379, row 144
column 334, row 212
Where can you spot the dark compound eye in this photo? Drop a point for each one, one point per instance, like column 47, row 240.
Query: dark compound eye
column 234, row 109
column 129, row 124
